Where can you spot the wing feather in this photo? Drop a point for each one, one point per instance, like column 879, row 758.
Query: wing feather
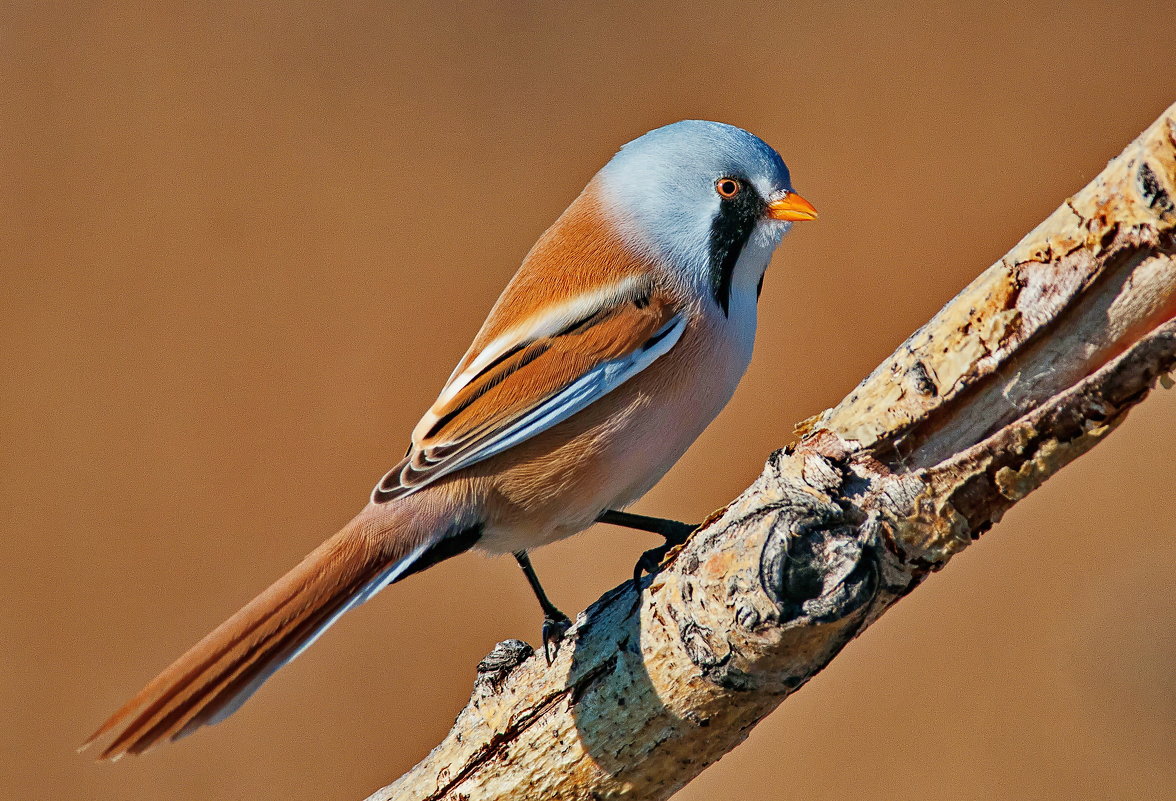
column 539, row 374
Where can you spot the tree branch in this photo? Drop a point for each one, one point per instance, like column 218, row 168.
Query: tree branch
column 1025, row 370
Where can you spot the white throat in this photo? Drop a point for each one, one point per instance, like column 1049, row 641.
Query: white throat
column 745, row 283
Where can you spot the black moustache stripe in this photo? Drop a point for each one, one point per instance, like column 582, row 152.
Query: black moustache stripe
column 730, row 230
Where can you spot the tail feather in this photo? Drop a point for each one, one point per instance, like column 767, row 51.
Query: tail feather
column 218, row 674
column 229, row 699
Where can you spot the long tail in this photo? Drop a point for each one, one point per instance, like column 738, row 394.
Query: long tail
column 218, row 674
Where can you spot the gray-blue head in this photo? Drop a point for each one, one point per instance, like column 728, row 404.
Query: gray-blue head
column 695, row 193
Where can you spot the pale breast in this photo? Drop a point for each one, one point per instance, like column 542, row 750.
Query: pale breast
column 612, row 453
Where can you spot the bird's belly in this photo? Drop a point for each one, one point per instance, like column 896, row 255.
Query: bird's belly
column 656, row 445
column 613, row 452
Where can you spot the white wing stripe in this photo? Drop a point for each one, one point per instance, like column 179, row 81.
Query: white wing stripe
column 549, row 322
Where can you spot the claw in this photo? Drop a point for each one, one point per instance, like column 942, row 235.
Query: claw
column 650, row 562
column 554, row 629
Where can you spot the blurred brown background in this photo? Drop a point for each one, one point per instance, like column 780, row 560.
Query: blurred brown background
column 244, row 244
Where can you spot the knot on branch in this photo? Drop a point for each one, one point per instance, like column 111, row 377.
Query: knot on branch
column 498, row 664
column 816, row 565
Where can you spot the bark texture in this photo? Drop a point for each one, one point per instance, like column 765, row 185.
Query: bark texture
column 1029, row 367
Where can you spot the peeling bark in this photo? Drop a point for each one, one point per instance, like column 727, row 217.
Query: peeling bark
column 1029, row 367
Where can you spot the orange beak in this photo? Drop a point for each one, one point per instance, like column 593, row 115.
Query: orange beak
column 791, row 207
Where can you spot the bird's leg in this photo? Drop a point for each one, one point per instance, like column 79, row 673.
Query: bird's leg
column 555, row 622
column 675, row 533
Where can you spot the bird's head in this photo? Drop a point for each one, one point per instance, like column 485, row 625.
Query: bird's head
column 695, row 193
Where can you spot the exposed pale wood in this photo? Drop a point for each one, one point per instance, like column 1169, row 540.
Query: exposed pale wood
column 1033, row 364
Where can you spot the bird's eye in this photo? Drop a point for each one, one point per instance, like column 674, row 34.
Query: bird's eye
column 728, row 187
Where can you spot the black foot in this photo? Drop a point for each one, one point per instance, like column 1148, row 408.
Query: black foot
column 650, row 561
column 554, row 629
column 675, row 533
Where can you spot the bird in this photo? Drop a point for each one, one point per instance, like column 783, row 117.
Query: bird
column 621, row 336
